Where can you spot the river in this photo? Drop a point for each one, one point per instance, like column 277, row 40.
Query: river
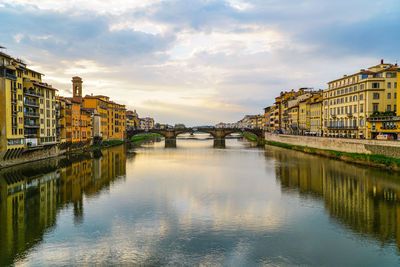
column 199, row 205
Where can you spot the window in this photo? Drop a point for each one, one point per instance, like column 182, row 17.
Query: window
column 375, row 96
column 361, row 108
column 355, row 109
column 375, row 107
column 361, row 97
column 395, row 85
column 375, row 85
column 389, row 108
column 355, row 98
column 355, row 88
column 389, row 85
column 361, row 122
column 389, row 95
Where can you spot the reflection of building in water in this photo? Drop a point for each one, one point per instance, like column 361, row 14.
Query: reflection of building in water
column 31, row 196
column 352, row 195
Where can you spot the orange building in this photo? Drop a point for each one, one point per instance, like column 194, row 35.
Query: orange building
column 100, row 104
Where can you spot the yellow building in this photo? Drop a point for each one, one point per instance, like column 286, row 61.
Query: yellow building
column 61, row 104
column 386, row 125
column 304, row 117
column 132, row 119
column 116, row 121
column 27, row 108
column 11, row 107
column 293, row 119
column 351, row 100
column 267, row 118
column 274, row 118
column 315, row 107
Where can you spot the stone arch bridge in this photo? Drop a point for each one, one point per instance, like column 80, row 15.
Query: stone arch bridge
column 219, row 134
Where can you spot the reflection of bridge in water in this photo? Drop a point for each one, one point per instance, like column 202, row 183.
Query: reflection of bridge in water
column 219, row 134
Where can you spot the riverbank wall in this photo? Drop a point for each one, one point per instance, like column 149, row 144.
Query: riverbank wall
column 43, row 153
column 364, row 146
column 31, row 155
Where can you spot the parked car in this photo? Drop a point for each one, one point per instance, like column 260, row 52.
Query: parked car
column 384, row 137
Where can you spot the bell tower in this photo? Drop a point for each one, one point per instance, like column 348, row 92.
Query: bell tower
column 77, row 86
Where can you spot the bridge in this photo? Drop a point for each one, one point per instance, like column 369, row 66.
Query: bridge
column 219, row 134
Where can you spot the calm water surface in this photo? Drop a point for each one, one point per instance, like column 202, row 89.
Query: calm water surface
column 198, row 205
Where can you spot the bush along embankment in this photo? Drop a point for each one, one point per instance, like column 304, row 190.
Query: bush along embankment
column 111, row 143
column 253, row 138
column 372, row 160
column 144, row 137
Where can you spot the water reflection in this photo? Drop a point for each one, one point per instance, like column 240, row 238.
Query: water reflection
column 31, row 196
column 364, row 200
column 196, row 205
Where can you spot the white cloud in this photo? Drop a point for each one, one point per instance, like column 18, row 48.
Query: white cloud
column 18, row 37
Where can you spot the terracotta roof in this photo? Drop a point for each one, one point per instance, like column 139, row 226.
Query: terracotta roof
column 43, row 85
column 5, row 55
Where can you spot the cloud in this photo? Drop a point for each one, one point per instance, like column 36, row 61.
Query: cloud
column 232, row 53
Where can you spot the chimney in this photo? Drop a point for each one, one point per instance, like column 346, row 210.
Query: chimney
column 381, row 61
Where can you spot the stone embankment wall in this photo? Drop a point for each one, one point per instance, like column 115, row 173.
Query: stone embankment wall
column 380, row 147
column 31, row 156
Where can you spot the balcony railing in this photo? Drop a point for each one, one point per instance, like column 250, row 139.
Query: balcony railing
column 349, row 114
column 13, row 89
column 389, row 127
column 14, row 113
column 31, row 125
column 31, row 103
column 342, row 127
column 30, row 134
column 32, row 93
column 32, row 114
column 11, row 76
column 384, row 118
column 14, row 101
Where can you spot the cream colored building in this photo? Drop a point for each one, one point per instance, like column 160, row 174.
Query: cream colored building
column 350, row 100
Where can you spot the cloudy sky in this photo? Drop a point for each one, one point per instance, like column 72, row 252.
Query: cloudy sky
column 198, row 61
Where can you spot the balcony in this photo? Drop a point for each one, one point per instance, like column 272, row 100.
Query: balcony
column 30, row 135
column 32, row 114
column 13, row 90
column 31, row 103
column 32, row 93
column 31, row 125
column 383, row 118
column 389, row 127
column 14, row 113
column 350, row 114
column 11, row 76
column 14, row 125
column 14, row 101
column 343, row 127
